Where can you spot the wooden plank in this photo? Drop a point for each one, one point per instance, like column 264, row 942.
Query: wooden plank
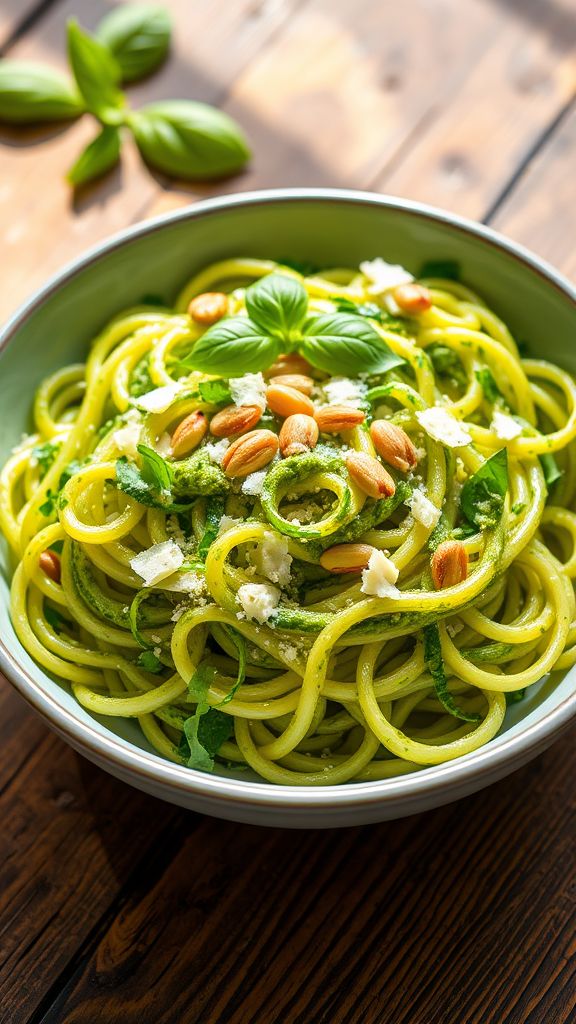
column 463, row 155
column 404, row 921
column 43, row 227
column 13, row 17
column 541, row 211
column 71, row 838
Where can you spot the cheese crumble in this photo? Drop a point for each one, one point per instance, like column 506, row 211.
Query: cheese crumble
column 443, row 427
column 157, row 562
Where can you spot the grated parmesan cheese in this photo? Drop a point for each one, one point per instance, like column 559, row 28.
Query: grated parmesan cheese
column 504, row 426
column 159, row 399
column 343, row 391
column 248, row 390
column 443, row 427
column 384, row 276
column 258, row 600
column 271, row 559
column 158, row 562
column 216, row 450
column 164, row 445
column 127, row 438
column 423, row 510
column 254, row 482
column 379, row 577
column 227, row 523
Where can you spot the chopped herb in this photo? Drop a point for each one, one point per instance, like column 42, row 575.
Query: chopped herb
column 435, row 662
column 489, row 386
column 48, row 507
column 448, row 269
column 45, row 454
column 141, row 382
column 551, row 469
column 447, row 364
column 240, row 644
column 372, row 312
column 148, row 661
column 515, row 697
column 518, row 507
column 207, row 729
column 482, row 498
column 216, row 392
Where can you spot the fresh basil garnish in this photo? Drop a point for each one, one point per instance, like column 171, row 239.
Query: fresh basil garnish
column 149, row 662
column 138, row 36
column 491, row 391
column 188, row 139
column 277, row 303
column 155, row 470
column 342, row 343
column 97, row 74
column 207, row 729
column 482, row 498
column 129, row 479
column 32, row 93
column 372, row 312
column 233, row 346
column 100, row 156
column 551, row 469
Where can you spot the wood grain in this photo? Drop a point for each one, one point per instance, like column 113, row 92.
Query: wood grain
column 413, row 921
column 114, row 907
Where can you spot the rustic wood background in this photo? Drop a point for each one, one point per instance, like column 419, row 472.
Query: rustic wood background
column 117, row 908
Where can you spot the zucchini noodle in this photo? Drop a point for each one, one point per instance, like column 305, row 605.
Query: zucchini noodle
column 223, row 609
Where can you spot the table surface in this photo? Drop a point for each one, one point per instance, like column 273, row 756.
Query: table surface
column 115, row 907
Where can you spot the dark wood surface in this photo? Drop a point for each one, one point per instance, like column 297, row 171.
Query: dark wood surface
column 118, row 908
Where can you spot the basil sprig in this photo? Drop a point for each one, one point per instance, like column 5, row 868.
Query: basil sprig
column 138, row 36
column 180, row 137
column 277, row 306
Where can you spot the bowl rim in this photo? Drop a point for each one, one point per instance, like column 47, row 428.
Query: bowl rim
column 122, row 754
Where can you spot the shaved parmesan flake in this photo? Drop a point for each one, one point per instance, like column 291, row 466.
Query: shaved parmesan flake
column 127, row 438
column 379, row 577
column 258, row 600
column 504, row 426
column 384, row 276
column 443, row 427
column 160, row 399
column 271, row 559
column 157, row 562
column 254, row 482
column 227, row 523
column 249, row 390
column 423, row 510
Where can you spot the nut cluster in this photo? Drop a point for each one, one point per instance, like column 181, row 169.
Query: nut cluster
column 288, row 396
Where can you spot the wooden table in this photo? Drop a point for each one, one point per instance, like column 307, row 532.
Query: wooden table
column 117, row 908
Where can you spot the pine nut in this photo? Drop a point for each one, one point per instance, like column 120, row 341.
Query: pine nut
column 393, row 445
column 235, row 419
column 250, row 452
column 299, row 434
column 370, row 475
column 188, row 434
column 208, row 308
column 50, row 564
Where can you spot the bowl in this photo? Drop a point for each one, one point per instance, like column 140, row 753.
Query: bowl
column 328, row 227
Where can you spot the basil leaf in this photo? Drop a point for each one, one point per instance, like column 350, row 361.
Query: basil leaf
column 551, row 469
column 482, row 498
column 233, row 346
column 489, row 386
column 214, row 513
column 240, row 645
column 201, row 682
column 435, row 663
column 149, row 662
column 341, row 343
column 277, row 304
column 372, row 312
column 448, row 269
column 155, row 470
column 189, row 140
column 205, row 731
column 138, row 36
column 99, row 156
column 216, row 392
column 97, row 73
column 35, row 92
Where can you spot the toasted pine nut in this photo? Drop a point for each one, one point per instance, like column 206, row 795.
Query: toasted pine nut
column 291, row 362
column 449, row 564
column 250, row 452
column 50, row 564
column 333, row 419
column 299, row 434
column 393, row 445
column 286, row 401
column 188, row 434
column 298, row 381
column 235, row 419
column 370, row 475
column 346, row 557
column 412, row 298
column 208, row 308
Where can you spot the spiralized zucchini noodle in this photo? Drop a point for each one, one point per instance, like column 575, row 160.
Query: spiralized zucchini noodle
column 316, row 524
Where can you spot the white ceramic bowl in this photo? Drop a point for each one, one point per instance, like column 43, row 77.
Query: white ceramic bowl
column 327, row 227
